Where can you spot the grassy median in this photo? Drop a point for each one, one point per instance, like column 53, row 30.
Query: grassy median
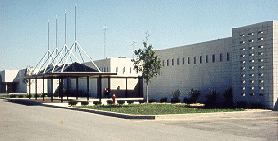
column 157, row 109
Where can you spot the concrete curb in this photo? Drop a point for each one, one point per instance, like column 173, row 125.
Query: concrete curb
column 150, row 117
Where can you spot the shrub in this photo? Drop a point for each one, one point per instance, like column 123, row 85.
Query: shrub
column 152, row 100
column 164, row 99
column 20, row 96
column 12, row 96
column 72, row 102
column 142, row 101
column 256, row 105
column 175, row 100
column 96, row 102
column 109, row 102
column 194, row 95
column 121, row 101
column 211, row 100
column 241, row 104
column 130, row 101
column 84, row 103
column 228, row 94
column 188, row 100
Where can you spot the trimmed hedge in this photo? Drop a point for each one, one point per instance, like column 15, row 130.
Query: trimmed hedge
column 109, row 102
column 152, row 100
column 96, row 102
column 130, row 101
column 175, row 100
column 72, row 102
column 142, row 101
column 84, row 103
column 164, row 99
column 121, row 101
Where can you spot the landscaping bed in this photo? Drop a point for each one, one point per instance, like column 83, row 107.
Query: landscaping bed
column 156, row 109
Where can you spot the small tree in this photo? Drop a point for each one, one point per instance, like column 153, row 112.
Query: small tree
column 147, row 63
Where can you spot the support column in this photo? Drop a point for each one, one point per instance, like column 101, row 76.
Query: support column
column 99, row 88
column 62, row 89
column 51, row 89
column 6, row 87
column 76, row 88
column 126, row 87
column 29, row 88
column 43, row 88
column 67, row 88
column 109, row 85
column 36, row 89
column 88, row 88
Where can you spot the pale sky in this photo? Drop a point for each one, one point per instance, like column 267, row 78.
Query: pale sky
column 171, row 23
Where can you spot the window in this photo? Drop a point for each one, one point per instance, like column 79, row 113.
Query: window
column 243, row 75
column 242, row 35
column 116, row 69
column 173, row 62
column 250, row 40
column 260, row 39
column 188, row 60
column 251, row 81
column 261, row 46
column 242, row 62
column 213, row 58
column 228, row 56
column 243, row 88
column 261, row 74
column 243, row 94
column 124, row 70
column 251, row 33
column 261, row 94
column 183, row 60
column 261, row 81
column 243, row 81
column 260, row 53
column 251, row 61
column 261, row 88
column 162, row 62
column 261, row 67
column 242, row 49
column 178, row 61
column 251, row 48
column 194, row 60
column 201, row 60
column 251, row 54
column 252, row 88
column 251, row 67
column 167, row 62
column 242, row 42
column 252, row 74
column 242, row 55
column 260, row 32
column 220, row 57
column 261, row 60
column 206, row 58
column 242, row 68
column 252, row 94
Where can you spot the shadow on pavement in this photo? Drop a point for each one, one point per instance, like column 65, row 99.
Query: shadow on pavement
column 24, row 102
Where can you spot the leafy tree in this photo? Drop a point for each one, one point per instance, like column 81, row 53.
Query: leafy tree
column 147, row 63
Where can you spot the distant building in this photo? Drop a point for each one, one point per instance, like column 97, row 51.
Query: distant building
column 127, row 82
column 246, row 62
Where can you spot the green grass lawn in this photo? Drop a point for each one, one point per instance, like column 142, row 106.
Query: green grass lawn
column 156, row 109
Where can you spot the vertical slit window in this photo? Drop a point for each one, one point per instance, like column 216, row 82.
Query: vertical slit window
column 173, row 62
column 178, row 61
column 206, row 58
column 201, row 61
column 221, row 57
column 194, row 60
column 228, row 56
column 213, row 58
column 188, row 60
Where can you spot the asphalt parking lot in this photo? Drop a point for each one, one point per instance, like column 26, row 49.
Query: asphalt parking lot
column 255, row 124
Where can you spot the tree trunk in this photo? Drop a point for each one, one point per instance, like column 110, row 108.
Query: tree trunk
column 147, row 93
